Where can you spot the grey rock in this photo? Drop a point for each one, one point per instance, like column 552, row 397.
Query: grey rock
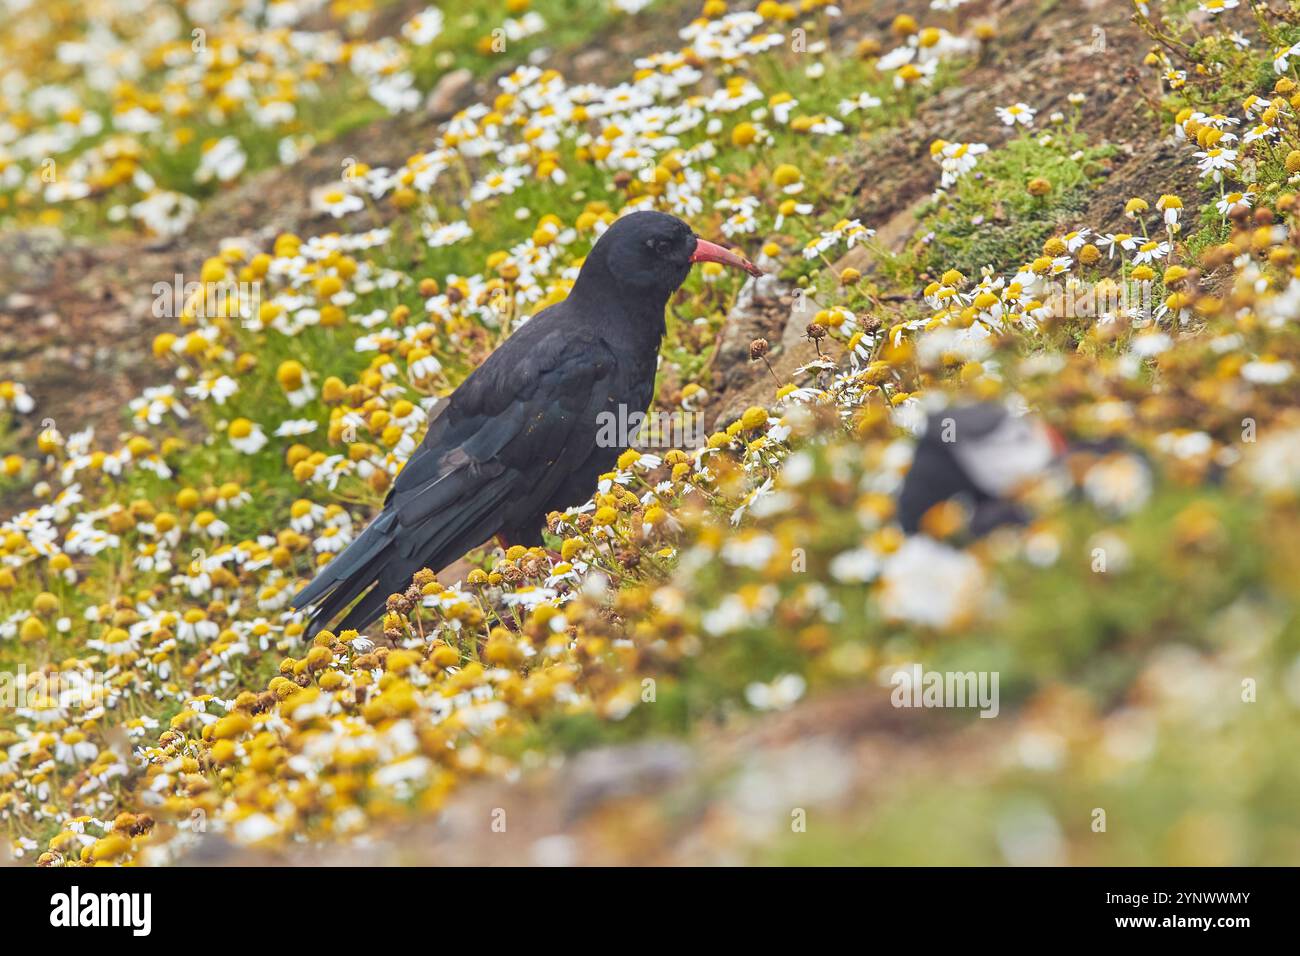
column 609, row 773
column 587, row 62
column 447, row 94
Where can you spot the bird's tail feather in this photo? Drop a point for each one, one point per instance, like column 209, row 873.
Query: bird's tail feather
column 367, row 609
column 383, row 559
column 377, row 535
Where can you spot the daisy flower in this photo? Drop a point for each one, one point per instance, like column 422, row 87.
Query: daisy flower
column 338, row 202
column 246, row 436
column 1151, row 251
column 955, row 159
column 223, row 161
column 1232, row 202
column 1016, row 113
column 439, row 235
column 1215, row 162
column 423, row 28
column 863, row 101
column 293, row 428
column 1267, row 371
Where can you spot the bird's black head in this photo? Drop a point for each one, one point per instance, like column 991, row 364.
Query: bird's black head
column 648, row 254
column 648, row 251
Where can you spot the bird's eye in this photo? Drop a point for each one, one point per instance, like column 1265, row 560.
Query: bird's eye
column 661, row 246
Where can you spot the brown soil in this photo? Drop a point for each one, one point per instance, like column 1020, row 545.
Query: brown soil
column 1061, row 54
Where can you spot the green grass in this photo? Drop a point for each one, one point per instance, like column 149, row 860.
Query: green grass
column 990, row 218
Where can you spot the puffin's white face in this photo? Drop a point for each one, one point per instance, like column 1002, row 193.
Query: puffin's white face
column 1018, row 449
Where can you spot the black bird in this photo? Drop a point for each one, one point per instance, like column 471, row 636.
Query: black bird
column 518, row 438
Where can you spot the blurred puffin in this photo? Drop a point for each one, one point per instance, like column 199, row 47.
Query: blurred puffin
column 978, row 456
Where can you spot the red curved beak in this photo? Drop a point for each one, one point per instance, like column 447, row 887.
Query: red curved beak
column 1059, row 445
column 706, row 251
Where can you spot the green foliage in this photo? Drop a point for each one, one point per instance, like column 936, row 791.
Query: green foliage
column 990, row 218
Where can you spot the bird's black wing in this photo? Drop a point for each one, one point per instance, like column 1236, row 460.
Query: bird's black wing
column 499, row 448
